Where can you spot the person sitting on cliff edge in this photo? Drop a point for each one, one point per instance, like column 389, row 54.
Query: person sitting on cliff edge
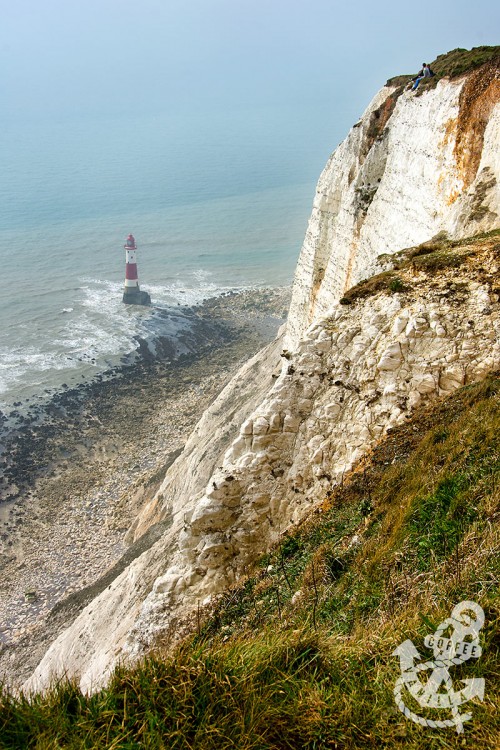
column 426, row 72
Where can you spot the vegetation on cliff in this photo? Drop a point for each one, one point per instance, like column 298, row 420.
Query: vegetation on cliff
column 454, row 63
column 300, row 654
column 416, row 267
column 449, row 65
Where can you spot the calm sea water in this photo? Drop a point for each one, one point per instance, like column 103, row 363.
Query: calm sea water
column 216, row 202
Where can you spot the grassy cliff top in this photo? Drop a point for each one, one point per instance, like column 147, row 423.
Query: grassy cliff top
column 454, row 63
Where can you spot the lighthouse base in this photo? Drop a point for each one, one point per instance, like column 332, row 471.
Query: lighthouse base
column 134, row 296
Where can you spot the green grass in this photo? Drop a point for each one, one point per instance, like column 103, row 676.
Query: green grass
column 436, row 255
column 298, row 654
column 453, row 64
column 408, row 535
column 459, row 61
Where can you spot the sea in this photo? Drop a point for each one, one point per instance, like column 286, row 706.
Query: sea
column 216, row 201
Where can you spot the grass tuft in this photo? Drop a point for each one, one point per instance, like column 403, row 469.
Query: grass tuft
column 423, row 261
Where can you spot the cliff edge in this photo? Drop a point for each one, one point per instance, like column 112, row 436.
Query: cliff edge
column 416, row 164
column 385, row 315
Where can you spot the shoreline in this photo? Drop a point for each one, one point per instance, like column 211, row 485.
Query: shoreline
column 103, row 450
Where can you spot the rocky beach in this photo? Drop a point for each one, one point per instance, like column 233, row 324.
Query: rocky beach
column 76, row 470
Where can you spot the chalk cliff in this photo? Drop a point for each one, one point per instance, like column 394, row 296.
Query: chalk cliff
column 354, row 364
column 412, row 167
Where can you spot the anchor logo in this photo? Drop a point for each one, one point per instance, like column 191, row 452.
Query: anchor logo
column 460, row 644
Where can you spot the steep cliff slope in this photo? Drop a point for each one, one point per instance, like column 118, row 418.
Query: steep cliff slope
column 357, row 365
column 300, row 653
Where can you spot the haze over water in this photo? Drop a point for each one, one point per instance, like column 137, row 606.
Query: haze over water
column 216, row 203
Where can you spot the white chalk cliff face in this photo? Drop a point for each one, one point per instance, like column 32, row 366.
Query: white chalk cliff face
column 432, row 166
column 411, row 167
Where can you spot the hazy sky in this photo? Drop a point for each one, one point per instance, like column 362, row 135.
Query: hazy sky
column 60, row 58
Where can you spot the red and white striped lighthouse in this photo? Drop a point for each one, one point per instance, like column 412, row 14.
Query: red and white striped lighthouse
column 132, row 295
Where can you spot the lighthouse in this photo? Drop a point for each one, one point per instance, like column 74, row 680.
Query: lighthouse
column 132, row 295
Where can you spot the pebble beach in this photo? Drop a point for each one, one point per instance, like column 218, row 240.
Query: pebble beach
column 75, row 474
